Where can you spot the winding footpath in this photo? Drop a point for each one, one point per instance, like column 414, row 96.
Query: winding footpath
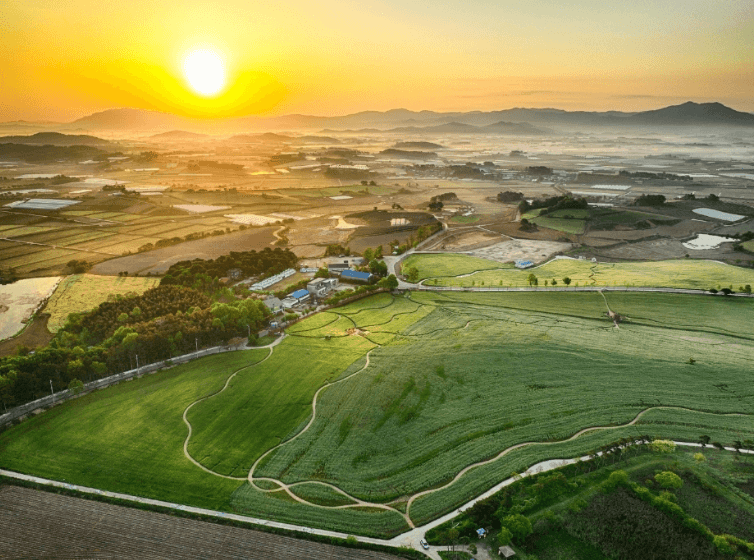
column 412, row 536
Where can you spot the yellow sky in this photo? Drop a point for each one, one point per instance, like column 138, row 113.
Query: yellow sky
column 62, row 59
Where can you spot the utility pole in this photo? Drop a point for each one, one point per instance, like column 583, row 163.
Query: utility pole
column 52, row 391
column 196, row 340
column 249, row 327
column 137, row 364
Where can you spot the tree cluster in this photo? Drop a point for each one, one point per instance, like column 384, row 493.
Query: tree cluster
column 203, row 274
column 650, row 200
column 161, row 323
column 509, row 196
column 553, row 204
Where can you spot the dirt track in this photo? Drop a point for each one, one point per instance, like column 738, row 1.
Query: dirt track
column 38, row 524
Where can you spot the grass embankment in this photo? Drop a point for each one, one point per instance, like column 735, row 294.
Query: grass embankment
column 83, row 292
column 686, row 273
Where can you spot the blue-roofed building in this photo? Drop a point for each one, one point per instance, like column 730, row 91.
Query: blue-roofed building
column 481, row 533
column 524, row 264
column 300, row 295
column 356, row 276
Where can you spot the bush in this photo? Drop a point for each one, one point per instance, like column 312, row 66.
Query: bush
column 668, row 479
column 662, row 446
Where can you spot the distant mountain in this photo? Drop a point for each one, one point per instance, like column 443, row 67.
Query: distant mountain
column 131, row 119
column 501, row 127
column 694, row 113
column 446, row 128
column 55, row 139
column 178, row 135
column 418, row 146
column 420, row 122
column 313, row 139
column 522, row 128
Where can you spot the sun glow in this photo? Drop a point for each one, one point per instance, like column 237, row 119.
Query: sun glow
column 205, row 71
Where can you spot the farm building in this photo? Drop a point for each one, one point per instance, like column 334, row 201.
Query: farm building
column 524, row 264
column 300, row 295
column 319, row 287
column 296, row 298
column 481, row 533
column 267, row 282
column 506, row 552
column 273, row 304
column 356, row 276
column 337, row 268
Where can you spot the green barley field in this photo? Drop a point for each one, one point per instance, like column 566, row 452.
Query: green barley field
column 453, row 380
column 467, row 271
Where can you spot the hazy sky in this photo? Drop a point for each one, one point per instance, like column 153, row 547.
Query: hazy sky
column 62, row 59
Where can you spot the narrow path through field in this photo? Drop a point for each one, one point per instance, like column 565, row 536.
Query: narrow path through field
column 504, row 452
column 280, row 486
column 270, row 347
column 287, row 487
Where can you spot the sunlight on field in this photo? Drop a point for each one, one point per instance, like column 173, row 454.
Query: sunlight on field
column 687, row 273
column 82, row 292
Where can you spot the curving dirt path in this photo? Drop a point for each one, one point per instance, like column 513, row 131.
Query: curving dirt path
column 504, row 452
column 287, row 487
column 357, row 502
column 188, row 456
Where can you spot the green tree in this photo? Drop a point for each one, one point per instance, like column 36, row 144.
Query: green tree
column 532, row 279
column 505, row 536
column 76, row 386
column 412, row 273
column 391, row 282
column 567, row 281
column 519, row 526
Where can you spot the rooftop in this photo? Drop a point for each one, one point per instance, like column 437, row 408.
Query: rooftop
column 355, row 274
column 299, row 293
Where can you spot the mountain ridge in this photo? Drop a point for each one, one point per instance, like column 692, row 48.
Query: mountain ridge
column 685, row 114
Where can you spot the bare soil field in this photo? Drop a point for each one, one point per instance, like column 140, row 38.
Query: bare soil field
column 159, row 260
column 507, row 251
column 541, row 233
column 466, row 239
column 33, row 336
column 38, row 524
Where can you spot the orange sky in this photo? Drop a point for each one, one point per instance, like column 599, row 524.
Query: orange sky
column 63, row 59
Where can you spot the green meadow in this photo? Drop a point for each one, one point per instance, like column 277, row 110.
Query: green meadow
column 414, row 389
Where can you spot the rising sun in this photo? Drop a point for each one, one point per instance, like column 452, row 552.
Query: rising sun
column 205, row 71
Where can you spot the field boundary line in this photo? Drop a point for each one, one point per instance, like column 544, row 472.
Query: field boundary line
column 270, row 347
column 581, row 432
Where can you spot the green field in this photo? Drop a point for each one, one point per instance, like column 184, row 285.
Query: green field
column 464, row 219
column 748, row 245
column 454, row 270
column 82, row 292
column 450, row 381
column 448, row 264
